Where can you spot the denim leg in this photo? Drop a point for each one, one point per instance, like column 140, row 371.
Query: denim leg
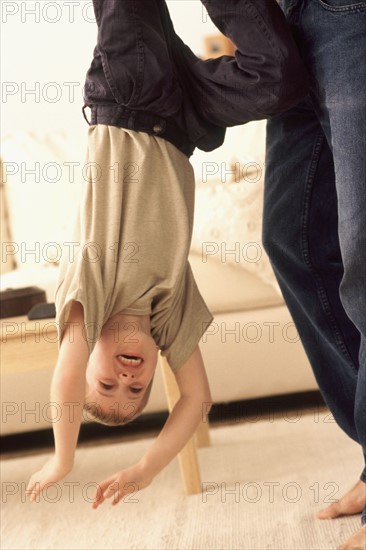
column 300, row 236
column 315, row 203
column 363, row 517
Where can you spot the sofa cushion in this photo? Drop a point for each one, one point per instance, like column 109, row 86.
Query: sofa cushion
column 229, row 203
column 226, row 288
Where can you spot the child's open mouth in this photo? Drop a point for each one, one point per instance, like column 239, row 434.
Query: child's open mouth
column 131, row 360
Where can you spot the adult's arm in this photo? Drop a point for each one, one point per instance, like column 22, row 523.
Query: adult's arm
column 265, row 76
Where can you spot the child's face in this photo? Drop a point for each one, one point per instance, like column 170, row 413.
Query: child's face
column 122, row 365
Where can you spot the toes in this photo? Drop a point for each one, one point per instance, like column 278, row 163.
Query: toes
column 356, row 542
column 330, row 512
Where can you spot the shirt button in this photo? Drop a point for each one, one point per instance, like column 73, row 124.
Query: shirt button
column 157, row 128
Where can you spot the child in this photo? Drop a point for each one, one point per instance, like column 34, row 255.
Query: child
column 136, row 288
column 130, row 290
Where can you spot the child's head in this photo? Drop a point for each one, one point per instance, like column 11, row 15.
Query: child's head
column 120, row 370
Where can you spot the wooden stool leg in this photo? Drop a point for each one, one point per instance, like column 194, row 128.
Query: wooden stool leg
column 188, row 462
column 202, row 435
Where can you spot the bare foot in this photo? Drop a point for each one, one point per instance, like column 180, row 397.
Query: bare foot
column 352, row 502
column 356, row 542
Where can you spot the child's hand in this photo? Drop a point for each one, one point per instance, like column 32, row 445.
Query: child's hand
column 122, row 483
column 51, row 472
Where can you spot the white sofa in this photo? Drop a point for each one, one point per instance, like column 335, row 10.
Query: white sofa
column 251, row 349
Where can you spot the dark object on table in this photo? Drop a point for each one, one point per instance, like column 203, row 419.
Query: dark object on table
column 42, row 311
column 18, row 301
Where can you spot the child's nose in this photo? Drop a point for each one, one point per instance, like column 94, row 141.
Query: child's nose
column 126, row 376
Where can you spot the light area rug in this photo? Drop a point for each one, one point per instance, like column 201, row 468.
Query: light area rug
column 264, row 481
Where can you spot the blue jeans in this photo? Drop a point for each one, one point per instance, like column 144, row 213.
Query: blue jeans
column 314, row 228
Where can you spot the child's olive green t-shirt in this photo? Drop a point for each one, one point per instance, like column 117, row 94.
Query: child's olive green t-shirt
column 132, row 235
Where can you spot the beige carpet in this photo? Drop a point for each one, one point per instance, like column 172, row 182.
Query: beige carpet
column 281, row 472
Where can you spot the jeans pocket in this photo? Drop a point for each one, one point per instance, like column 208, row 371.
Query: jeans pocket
column 343, row 6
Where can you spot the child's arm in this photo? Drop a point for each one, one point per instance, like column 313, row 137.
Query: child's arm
column 68, row 391
column 185, row 416
column 178, row 429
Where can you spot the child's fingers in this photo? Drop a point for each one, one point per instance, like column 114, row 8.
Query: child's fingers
column 36, row 485
column 33, row 490
column 32, row 481
column 118, row 494
column 103, row 491
column 124, row 490
column 29, row 487
column 99, row 498
column 112, row 490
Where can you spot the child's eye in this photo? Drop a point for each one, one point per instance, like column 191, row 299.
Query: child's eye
column 106, row 386
column 136, row 390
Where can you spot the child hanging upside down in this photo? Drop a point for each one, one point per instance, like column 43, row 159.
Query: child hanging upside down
column 130, row 291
